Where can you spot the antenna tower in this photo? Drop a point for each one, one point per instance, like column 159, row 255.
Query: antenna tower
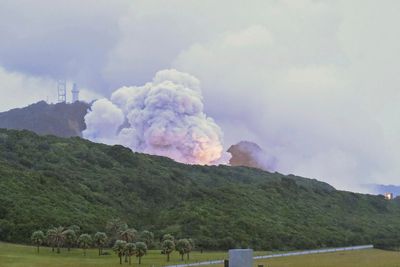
column 62, row 91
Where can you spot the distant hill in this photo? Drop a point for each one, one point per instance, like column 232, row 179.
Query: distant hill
column 49, row 181
column 250, row 154
column 382, row 189
column 64, row 120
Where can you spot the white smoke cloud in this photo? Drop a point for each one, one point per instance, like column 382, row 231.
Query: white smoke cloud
column 103, row 122
column 164, row 117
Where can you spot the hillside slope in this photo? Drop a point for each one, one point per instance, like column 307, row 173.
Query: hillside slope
column 46, row 180
column 64, row 120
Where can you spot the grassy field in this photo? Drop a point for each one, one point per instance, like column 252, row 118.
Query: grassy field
column 25, row 256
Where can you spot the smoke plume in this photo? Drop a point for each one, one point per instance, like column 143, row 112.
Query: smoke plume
column 250, row 154
column 164, row 117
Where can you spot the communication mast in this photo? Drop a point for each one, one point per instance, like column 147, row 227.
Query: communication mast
column 62, row 91
column 75, row 93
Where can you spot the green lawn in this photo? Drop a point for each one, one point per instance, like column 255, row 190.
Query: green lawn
column 25, row 256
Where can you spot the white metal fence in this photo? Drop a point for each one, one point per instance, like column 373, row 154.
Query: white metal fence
column 297, row 253
column 315, row 251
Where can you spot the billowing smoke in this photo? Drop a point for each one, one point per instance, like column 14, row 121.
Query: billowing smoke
column 250, row 154
column 164, row 117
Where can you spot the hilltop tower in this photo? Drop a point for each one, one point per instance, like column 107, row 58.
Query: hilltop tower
column 62, row 91
column 75, row 93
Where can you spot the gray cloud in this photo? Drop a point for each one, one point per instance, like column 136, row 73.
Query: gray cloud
column 59, row 39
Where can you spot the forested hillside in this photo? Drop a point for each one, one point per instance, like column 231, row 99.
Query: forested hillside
column 60, row 119
column 49, row 181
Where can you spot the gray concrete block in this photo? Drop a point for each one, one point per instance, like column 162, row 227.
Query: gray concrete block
column 240, row 258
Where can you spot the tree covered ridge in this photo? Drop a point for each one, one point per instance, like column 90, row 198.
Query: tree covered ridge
column 49, row 181
column 61, row 119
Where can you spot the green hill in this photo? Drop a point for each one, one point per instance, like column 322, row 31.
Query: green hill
column 49, row 181
column 60, row 119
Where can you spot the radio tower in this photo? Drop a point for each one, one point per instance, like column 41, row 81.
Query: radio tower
column 62, row 91
column 75, row 93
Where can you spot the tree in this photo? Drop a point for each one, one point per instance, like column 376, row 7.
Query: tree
column 168, row 246
column 182, row 246
column 84, row 241
column 37, row 239
column 119, row 249
column 70, row 238
column 114, row 227
column 76, row 229
column 130, row 250
column 100, row 240
column 141, row 250
column 59, row 237
column 128, row 236
column 190, row 248
column 168, row 237
column 50, row 238
column 147, row 237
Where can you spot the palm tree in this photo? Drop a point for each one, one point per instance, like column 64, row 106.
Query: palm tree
column 182, row 246
column 147, row 237
column 190, row 248
column 58, row 237
column 168, row 237
column 76, row 229
column 100, row 240
column 84, row 242
column 119, row 248
column 168, row 247
column 50, row 238
column 38, row 239
column 70, row 238
column 130, row 250
column 141, row 250
column 128, row 236
column 114, row 227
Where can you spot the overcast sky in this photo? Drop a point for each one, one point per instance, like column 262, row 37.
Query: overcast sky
column 315, row 83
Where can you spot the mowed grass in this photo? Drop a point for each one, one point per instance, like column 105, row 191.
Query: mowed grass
column 361, row 258
column 26, row 256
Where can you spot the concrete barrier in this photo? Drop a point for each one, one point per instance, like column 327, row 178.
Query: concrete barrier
column 241, row 258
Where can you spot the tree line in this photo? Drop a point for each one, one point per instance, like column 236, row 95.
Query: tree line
column 125, row 242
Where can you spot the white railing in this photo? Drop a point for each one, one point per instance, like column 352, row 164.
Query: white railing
column 315, row 251
column 297, row 253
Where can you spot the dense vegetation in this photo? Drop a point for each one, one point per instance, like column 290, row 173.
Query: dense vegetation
column 60, row 119
column 46, row 181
